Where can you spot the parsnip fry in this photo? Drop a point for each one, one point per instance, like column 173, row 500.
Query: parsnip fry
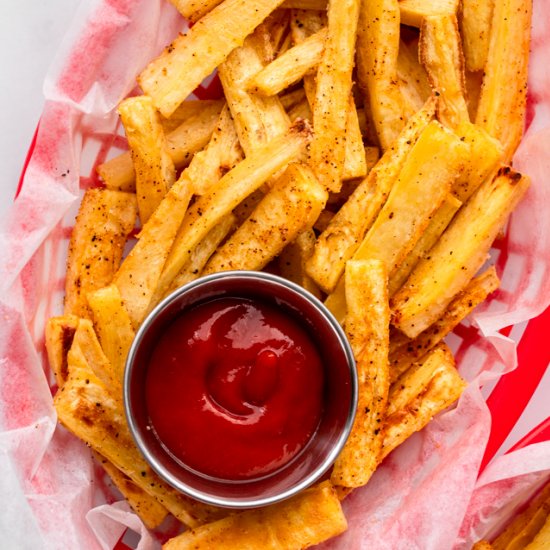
column 441, row 54
column 237, row 184
column 442, row 391
column 426, row 178
column 377, row 50
column 413, row 80
column 292, row 205
column 290, row 67
column 355, row 160
column 501, row 109
column 458, row 255
column 189, row 109
column 182, row 66
column 113, row 326
column 139, row 274
column 413, row 12
column 439, row 222
column 104, row 221
column 85, row 408
column 59, row 338
column 367, row 326
column 222, row 153
column 200, row 256
column 195, row 9
column 257, row 119
column 155, row 171
column 307, row 519
column 334, row 81
column 404, row 352
column 475, row 27
column 148, row 508
column 347, row 228
column 292, row 260
column 183, row 142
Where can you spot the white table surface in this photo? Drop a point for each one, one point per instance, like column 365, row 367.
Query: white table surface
column 30, row 33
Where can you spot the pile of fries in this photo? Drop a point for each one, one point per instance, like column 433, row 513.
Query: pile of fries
column 362, row 149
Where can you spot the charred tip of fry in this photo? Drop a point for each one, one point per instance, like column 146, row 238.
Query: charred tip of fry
column 302, row 127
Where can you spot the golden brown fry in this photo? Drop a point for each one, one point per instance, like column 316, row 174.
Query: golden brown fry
column 148, row 508
column 439, row 222
column 501, row 109
column 377, row 50
column 355, row 161
column 458, row 255
column 482, row 545
column 290, row 67
column 413, row 12
column 307, row 519
column 155, row 171
column 237, row 184
column 257, row 119
column 183, row 65
column 319, row 5
column 222, row 153
column 334, row 82
column 442, row 391
column 139, row 274
column 189, row 109
column 527, row 524
column 441, row 54
column 290, row 99
column 413, row 80
column 113, row 326
column 367, row 326
column 484, row 159
column 404, row 351
column 542, row 538
column 59, row 339
column 183, row 142
column 475, row 27
column 301, row 110
column 291, row 206
column 204, row 250
column 292, row 259
column 346, row 230
column 104, row 221
column 85, row 408
column 195, row 9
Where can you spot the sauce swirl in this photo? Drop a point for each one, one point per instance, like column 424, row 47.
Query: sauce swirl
column 234, row 388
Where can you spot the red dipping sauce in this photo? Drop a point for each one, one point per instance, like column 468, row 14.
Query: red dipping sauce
column 235, row 388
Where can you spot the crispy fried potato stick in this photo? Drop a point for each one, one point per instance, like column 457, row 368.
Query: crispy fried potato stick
column 85, row 408
column 484, row 159
column 189, row 109
column 155, row 171
column 413, row 12
column 195, row 9
column 222, row 153
column 292, row 260
column 413, row 80
column 346, row 230
column 404, row 351
column 501, row 109
column 439, row 222
column 237, row 184
column 458, row 255
column 113, row 326
column 200, row 256
column 104, row 221
column 59, row 339
column 524, row 527
column 183, row 65
column 443, row 390
column 148, row 508
column 290, row 67
column 183, row 142
column 139, row 274
column 441, row 54
column 377, row 50
column 307, row 519
column 332, row 98
column 257, row 119
column 475, row 27
column 367, row 326
column 291, row 206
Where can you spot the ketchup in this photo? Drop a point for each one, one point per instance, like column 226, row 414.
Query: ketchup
column 234, row 388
